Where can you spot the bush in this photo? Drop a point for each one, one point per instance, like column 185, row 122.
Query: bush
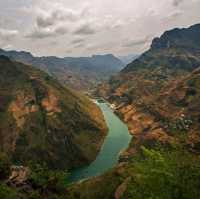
column 165, row 175
column 43, row 178
column 4, row 166
column 7, row 192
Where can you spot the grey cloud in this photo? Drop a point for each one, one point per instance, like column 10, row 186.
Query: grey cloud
column 54, row 42
column 56, row 22
column 44, row 21
column 102, row 46
column 8, row 34
column 77, row 41
column 138, row 42
column 68, row 51
column 99, row 23
column 80, row 45
column 118, row 24
column 61, row 30
column 41, row 33
column 8, row 47
column 85, row 29
column 173, row 15
column 177, row 2
column 59, row 15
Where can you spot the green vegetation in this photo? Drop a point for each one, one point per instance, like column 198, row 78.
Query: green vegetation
column 42, row 178
column 152, row 174
column 7, row 192
column 158, row 96
column 164, row 175
column 4, row 166
column 96, row 188
column 41, row 183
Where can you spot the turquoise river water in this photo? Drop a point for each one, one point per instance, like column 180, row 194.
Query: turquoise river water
column 116, row 141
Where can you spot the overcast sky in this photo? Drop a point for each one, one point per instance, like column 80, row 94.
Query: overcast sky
column 81, row 28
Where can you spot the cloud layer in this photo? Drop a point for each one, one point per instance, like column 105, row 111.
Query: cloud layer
column 78, row 28
column 6, row 34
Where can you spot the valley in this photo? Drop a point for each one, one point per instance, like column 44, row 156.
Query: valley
column 157, row 96
column 82, row 73
column 100, row 126
column 42, row 121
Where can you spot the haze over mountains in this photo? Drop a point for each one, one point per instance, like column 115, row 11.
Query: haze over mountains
column 127, row 59
column 78, row 73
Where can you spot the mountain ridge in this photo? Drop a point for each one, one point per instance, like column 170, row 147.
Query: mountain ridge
column 78, row 73
column 157, row 97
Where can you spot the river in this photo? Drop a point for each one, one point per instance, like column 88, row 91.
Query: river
column 116, row 141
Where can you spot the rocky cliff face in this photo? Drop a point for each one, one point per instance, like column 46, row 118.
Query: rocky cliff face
column 179, row 38
column 42, row 121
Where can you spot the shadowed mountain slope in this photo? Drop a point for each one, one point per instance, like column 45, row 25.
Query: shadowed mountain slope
column 78, row 73
column 42, row 121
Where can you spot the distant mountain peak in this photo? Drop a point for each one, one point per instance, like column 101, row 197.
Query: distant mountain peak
column 75, row 72
column 179, row 38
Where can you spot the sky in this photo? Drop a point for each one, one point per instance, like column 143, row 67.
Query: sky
column 86, row 27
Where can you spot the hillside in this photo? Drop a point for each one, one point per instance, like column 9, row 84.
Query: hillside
column 78, row 73
column 170, row 56
column 163, row 158
column 166, row 170
column 44, row 122
column 157, row 95
column 139, row 90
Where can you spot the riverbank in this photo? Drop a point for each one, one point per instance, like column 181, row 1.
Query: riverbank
column 117, row 140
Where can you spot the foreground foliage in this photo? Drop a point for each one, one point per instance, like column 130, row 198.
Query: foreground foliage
column 151, row 174
column 40, row 183
column 165, row 175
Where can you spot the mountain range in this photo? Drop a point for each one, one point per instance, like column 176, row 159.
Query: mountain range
column 81, row 73
column 157, row 96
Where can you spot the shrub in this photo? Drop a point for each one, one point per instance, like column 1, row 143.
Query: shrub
column 43, row 178
column 7, row 192
column 4, row 166
column 165, row 175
